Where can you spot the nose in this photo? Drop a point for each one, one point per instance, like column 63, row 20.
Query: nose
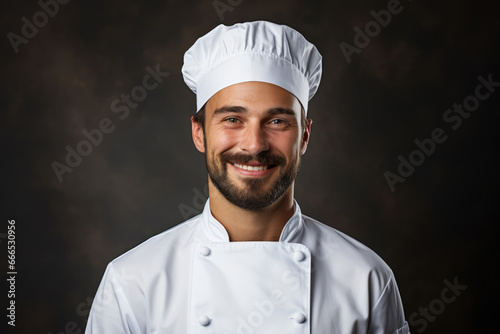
column 253, row 140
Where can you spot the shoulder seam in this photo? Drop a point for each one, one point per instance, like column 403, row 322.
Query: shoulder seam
column 391, row 278
column 120, row 290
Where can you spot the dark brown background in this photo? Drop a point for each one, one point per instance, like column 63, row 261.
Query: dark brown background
column 439, row 224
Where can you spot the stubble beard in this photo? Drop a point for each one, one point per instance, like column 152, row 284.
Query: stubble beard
column 252, row 195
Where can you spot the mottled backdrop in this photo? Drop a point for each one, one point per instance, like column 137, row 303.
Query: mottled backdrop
column 387, row 85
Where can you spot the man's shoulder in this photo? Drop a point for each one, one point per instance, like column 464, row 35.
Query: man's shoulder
column 337, row 248
column 154, row 249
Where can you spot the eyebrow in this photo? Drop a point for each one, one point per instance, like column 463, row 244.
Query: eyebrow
column 241, row 110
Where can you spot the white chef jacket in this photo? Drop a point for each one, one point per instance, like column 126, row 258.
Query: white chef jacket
column 192, row 279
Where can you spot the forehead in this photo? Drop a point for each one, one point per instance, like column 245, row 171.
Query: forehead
column 255, row 97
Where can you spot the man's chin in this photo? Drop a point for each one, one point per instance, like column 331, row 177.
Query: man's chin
column 252, row 202
column 247, row 193
column 257, row 186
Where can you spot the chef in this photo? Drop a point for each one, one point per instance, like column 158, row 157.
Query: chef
column 251, row 262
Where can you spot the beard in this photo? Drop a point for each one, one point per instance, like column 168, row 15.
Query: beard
column 253, row 196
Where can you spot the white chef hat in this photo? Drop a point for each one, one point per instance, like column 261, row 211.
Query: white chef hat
column 252, row 51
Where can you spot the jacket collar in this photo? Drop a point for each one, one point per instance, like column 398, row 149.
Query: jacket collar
column 215, row 231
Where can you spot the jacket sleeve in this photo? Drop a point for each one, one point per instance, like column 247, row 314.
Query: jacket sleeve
column 111, row 311
column 387, row 316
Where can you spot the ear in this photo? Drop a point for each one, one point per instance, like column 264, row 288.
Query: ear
column 305, row 137
column 198, row 135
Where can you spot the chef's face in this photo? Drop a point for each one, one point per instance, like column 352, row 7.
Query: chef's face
column 253, row 139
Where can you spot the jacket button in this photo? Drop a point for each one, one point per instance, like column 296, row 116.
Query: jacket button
column 204, row 320
column 299, row 256
column 299, row 317
column 205, row 251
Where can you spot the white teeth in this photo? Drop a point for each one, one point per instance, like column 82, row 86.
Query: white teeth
column 253, row 168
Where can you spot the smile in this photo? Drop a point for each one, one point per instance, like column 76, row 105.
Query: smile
column 251, row 168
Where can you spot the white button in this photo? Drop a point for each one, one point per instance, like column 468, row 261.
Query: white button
column 299, row 256
column 205, row 251
column 299, row 317
column 204, row 320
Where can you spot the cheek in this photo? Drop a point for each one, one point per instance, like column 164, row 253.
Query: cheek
column 221, row 141
column 288, row 145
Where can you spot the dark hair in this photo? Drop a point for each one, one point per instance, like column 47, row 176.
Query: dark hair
column 199, row 118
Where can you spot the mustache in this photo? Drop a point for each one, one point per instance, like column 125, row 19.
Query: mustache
column 263, row 158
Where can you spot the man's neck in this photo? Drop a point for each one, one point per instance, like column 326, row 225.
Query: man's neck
column 245, row 225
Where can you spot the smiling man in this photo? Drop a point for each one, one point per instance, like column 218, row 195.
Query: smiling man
column 253, row 138
column 251, row 262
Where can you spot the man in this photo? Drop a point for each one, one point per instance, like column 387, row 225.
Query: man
column 251, row 262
